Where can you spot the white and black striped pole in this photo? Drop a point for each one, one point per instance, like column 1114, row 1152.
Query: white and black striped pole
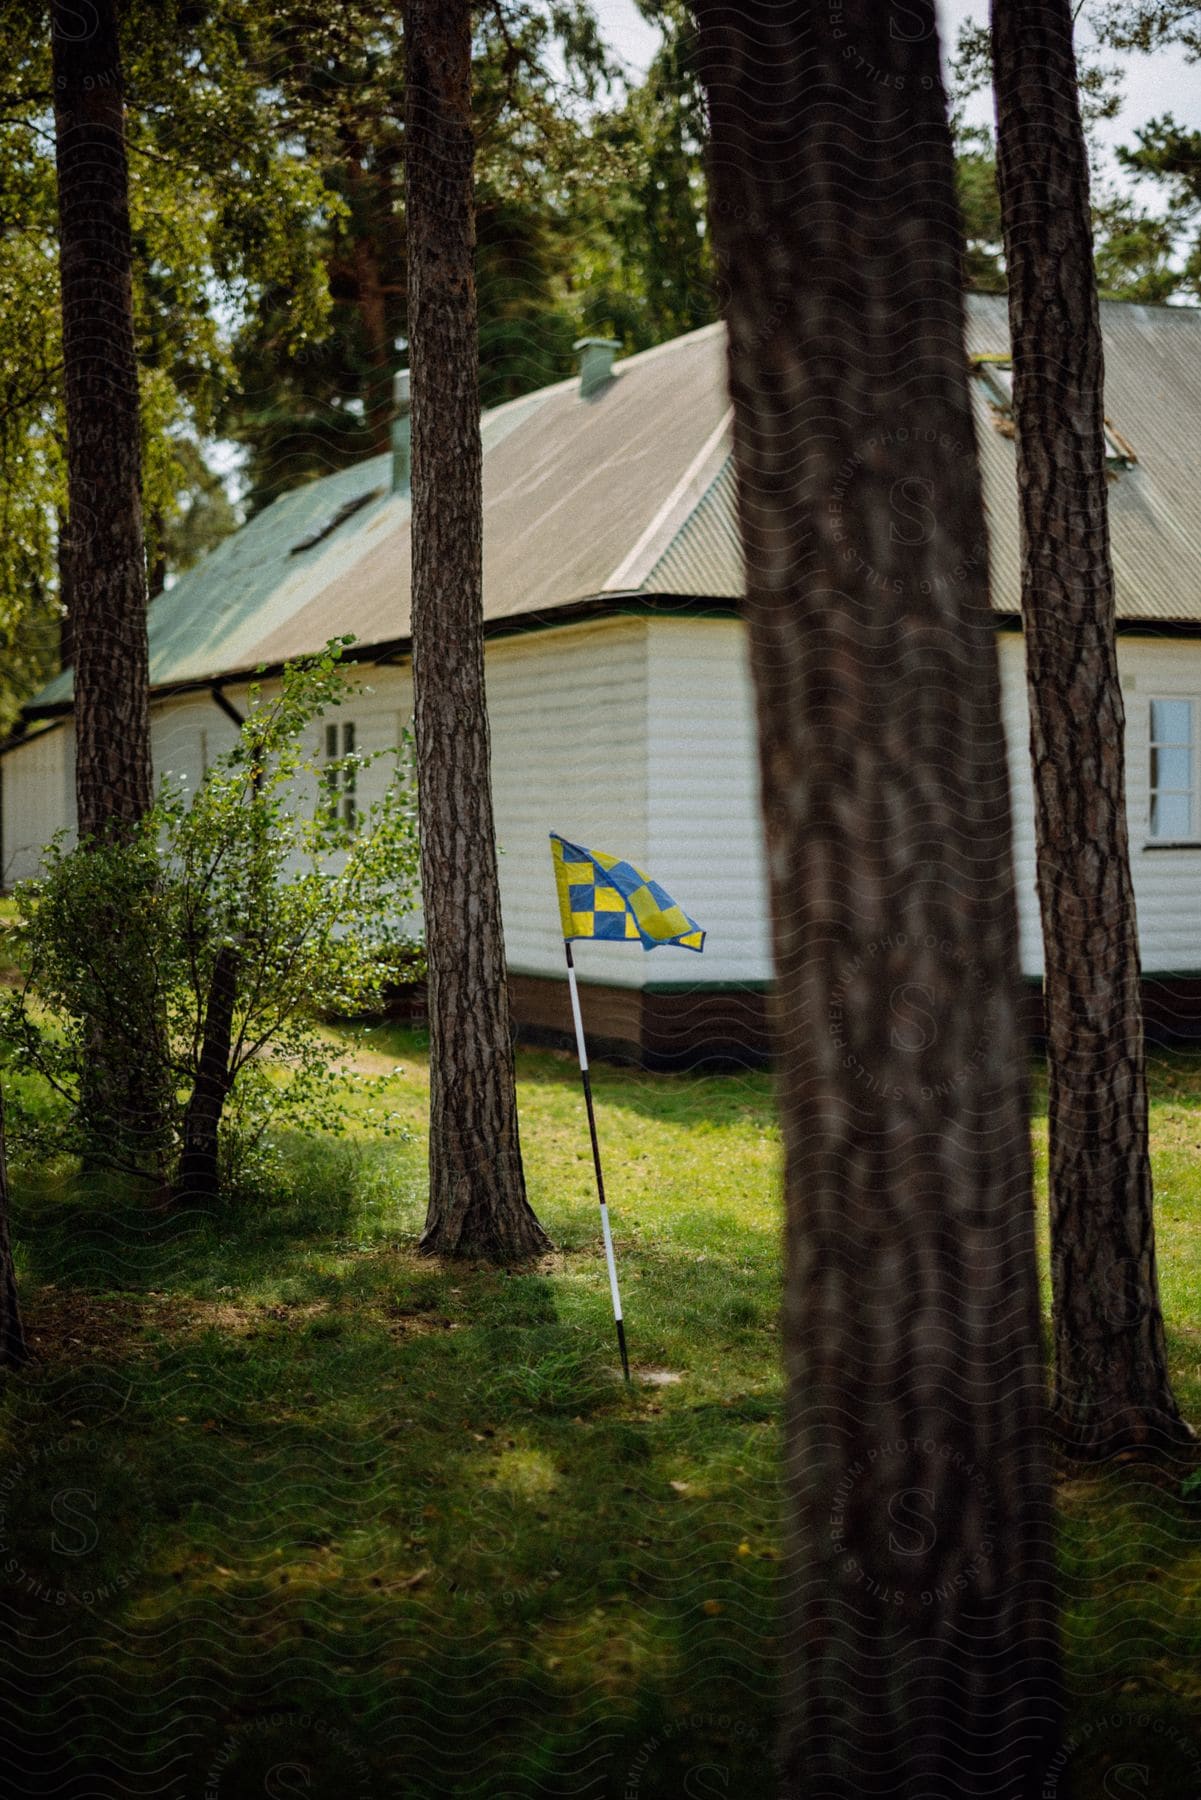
column 600, row 1179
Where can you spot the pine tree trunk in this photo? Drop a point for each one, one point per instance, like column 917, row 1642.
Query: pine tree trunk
column 920, row 1639
column 66, row 649
column 124, row 1093
column 199, row 1171
column 13, row 1349
column 372, row 301
column 477, row 1204
column 1111, row 1378
column 104, row 456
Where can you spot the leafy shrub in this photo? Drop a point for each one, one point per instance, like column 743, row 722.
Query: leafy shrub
column 242, row 917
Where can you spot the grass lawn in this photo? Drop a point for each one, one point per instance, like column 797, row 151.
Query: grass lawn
column 284, row 1509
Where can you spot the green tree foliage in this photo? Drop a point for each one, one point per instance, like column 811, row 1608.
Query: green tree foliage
column 1150, row 24
column 301, row 410
column 218, row 200
column 268, row 215
column 254, row 893
column 1169, row 155
column 644, row 267
column 1137, row 250
column 980, row 210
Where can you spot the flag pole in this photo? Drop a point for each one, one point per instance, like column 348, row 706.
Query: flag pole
column 600, row 1179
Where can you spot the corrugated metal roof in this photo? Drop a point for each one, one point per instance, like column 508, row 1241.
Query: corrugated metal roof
column 705, row 555
column 1153, row 396
column 567, row 494
column 631, row 491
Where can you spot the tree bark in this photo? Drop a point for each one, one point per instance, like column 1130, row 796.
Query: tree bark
column 104, row 457
column 477, row 1204
column 124, row 1083
column 13, row 1349
column 66, row 626
column 199, row 1173
column 372, row 301
column 1112, row 1389
column 920, row 1638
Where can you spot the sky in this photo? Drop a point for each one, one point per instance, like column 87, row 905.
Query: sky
column 1152, row 85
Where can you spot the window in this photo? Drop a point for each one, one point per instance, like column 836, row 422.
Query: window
column 340, row 776
column 1173, row 769
column 996, row 372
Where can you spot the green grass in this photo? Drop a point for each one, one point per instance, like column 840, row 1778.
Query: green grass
column 280, row 1495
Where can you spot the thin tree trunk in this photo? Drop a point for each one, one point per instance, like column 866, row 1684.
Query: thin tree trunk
column 373, row 305
column 477, row 1204
column 104, row 472
column 158, row 569
column 199, row 1174
column 66, row 626
column 920, row 1641
column 1112, row 1389
column 124, row 1094
column 13, row 1349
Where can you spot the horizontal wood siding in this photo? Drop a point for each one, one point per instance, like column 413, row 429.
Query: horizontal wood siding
column 188, row 735
column 612, row 1015
column 637, row 736
column 568, row 717
column 1015, row 717
column 39, row 800
column 706, row 836
column 1167, row 883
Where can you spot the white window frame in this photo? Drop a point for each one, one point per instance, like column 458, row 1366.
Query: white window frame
column 339, row 796
column 1161, row 840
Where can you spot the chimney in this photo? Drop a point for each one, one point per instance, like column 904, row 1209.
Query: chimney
column 402, row 435
column 596, row 363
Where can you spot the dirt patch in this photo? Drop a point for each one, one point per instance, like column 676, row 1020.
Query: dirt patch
column 63, row 1325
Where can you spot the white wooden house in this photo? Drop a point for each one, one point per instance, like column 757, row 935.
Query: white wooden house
column 619, row 696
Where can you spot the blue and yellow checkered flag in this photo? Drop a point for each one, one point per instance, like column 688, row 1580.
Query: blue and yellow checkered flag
column 603, row 896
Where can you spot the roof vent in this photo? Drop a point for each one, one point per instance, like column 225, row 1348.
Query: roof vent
column 402, row 435
column 596, row 363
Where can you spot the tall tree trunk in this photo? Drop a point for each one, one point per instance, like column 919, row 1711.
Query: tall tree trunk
column 199, row 1173
column 477, row 1204
column 66, row 626
column 372, row 301
column 1111, row 1379
column 158, row 567
column 13, row 1350
column 124, row 1093
column 921, row 1652
column 104, row 456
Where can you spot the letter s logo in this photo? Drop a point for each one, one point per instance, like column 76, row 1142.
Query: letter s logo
column 76, row 1518
column 907, row 26
column 279, row 1784
column 910, row 499
column 1127, row 1778
column 78, row 22
column 915, row 1519
column 914, row 1028
column 706, row 1782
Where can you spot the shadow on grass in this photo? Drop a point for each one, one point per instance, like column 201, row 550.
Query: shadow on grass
column 281, row 1501
column 418, row 1519
column 100, row 1235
